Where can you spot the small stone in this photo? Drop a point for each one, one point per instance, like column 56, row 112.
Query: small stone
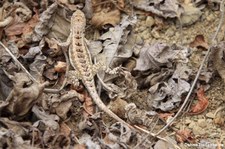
column 145, row 34
column 214, row 135
column 149, row 21
column 198, row 131
column 139, row 40
column 192, row 125
column 210, row 17
column 209, row 121
column 141, row 28
column 202, row 123
column 155, row 34
column 170, row 32
column 142, row 17
column 187, row 121
column 210, row 115
column 136, row 51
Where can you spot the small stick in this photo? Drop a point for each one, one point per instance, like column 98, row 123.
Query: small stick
column 21, row 66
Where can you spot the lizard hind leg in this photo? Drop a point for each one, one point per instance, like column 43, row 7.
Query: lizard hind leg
column 73, row 77
column 99, row 66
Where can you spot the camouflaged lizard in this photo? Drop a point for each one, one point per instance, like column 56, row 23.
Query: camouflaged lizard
column 80, row 60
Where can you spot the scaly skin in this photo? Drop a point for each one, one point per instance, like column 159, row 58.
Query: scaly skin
column 80, row 59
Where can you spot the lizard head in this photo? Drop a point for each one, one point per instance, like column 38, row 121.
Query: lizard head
column 78, row 19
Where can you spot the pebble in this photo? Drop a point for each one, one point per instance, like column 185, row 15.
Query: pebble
column 188, row 121
column 210, row 115
column 155, row 34
column 149, row 21
column 214, row 135
column 210, row 17
column 170, row 32
column 145, row 34
column 139, row 40
column 141, row 28
column 198, row 130
column 192, row 125
column 209, row 121
column 136, row 51
column 202, row 123
column 142, row 17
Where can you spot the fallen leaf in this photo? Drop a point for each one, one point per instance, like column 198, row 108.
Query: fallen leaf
column 184, row 135
column 199, row 42
column 165, row 116
column 171, row 8
column 190, row 15
column 60, row 66
column 169, row 144
column 121, row 3
column 65, row 129
column 23, row 95
column 80, row 146
column 15, row 29
column 88, row 105
column 202, row 103
column 29, row 27
column 102, row 18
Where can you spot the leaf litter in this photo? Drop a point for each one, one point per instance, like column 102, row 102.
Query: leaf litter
column 159, row 45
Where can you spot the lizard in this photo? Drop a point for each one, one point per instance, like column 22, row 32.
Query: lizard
column 80, row 59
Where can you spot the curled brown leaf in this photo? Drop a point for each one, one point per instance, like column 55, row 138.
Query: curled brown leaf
column 184, row 135
column 202, row 103
column 60, row 66
column 103, row 17
column 199, row 42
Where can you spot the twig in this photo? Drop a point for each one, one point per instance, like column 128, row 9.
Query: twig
column 21, row 66
column 199, row 70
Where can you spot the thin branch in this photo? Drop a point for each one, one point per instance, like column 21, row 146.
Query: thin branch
column 21, row 66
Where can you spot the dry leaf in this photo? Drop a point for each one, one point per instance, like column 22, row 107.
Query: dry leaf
column 15, row 29
column 88, row 105
column 202, row 103
column 190, row 14
column 24, row 94
column 28, row 29
column 121, row 3
column 171, row 8
column 63, row 108
column 184, row 135
column 218, row 59
column 165, row 116
column 80, row 146
column 65, row 129
column 164, row 8
column 103, row 17
column 60, row 66
column 199, row 42
column 117, row 107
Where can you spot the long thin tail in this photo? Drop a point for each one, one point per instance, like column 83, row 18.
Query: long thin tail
column 103, row 107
